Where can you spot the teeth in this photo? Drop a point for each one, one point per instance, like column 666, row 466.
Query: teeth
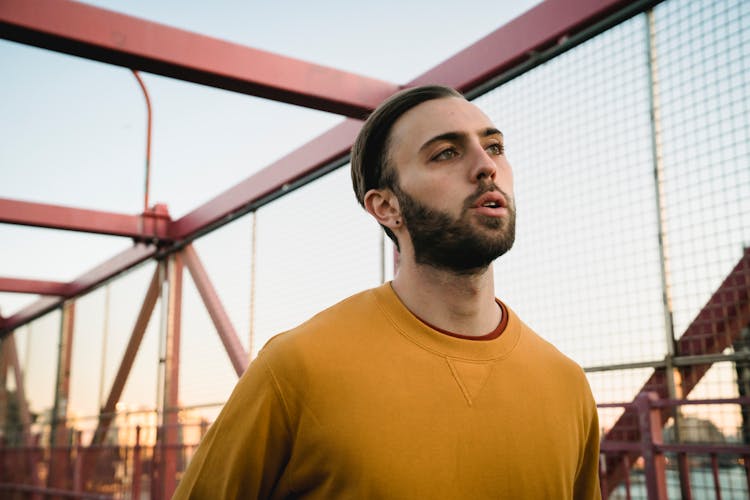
column 491, row 204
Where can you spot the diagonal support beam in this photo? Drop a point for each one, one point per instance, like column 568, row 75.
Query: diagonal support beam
column 107, row 412
column 84, row 283
column 107, row 36
column 331, row 147
column 716, row 327
column 151, row 225
column 228, row 335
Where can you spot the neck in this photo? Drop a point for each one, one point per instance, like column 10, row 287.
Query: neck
column 459, row 303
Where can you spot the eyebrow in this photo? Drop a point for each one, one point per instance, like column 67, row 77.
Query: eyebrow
column 456, row 136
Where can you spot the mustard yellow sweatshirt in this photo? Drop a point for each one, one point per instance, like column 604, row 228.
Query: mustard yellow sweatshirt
column 364, row 401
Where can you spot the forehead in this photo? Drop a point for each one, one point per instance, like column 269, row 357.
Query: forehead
column 436, row 117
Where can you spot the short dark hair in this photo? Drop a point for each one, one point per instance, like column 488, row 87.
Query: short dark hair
column 370, row 162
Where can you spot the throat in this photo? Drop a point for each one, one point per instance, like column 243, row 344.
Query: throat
column 495, row 333
column 464, row 305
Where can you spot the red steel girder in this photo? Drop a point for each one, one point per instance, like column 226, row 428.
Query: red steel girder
column 220, row 318
column 536, row 30
column 316, row 154
column 128, row 358
column 169, row 435
column 499, row 51
column 111, row 37
column 718, row 324
column 19, row 285
column 152, row 225
column 123, row 261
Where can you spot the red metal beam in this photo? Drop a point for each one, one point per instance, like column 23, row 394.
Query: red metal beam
column 18, row 285
column 168, row 437
column 128, row 358
column 537, row 29
column 506, row 47
column 326, row 148
column 87, row 281
column 719, row 323
column 227, row 333
column 148, row 226
column 107, row 36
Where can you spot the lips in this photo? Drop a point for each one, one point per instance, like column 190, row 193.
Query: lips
column 492, row 199
column 491, row 203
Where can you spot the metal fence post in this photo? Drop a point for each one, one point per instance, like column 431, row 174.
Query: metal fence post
column 169, row 434
column 37, row 457
column 59, row 462
column 654, row 466
column 136, row 488
column 77, row 463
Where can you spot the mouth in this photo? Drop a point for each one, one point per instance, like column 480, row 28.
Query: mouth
column 491, row 204
column 491, row 200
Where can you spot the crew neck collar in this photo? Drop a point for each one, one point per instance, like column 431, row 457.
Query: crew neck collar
column 411, row 327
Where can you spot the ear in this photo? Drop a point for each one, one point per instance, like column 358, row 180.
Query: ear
column 383, row 205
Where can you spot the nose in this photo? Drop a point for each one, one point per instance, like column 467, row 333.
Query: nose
column 484, row 166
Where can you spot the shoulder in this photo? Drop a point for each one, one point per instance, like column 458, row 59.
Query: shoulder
column 546, row 357
column 329, row 333
column 343, row 314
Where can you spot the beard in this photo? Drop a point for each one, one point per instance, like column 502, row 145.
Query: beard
column 457, row 244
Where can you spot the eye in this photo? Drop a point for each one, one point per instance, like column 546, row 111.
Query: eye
column 496, row 149
column 445, row 154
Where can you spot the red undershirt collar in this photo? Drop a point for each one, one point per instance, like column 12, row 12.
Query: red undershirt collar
column 488, row 336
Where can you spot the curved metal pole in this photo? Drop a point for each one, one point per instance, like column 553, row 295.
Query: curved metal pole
column 148, row 140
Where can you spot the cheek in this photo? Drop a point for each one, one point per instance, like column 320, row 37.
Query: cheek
column 431, row 189
column 443, row 197
column 504, row 179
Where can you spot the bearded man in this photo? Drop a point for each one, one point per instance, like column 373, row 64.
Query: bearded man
column 427, row 386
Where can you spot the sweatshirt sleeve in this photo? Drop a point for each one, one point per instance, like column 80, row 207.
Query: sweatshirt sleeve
column 244, row 453
column 587, row 481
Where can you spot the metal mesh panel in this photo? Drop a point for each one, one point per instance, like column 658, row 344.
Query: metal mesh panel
column 316, row 246
column 704, row 82
column 37, row 353
column 86, row 379
column 126, row 297
column 632, row 173
column 585, row 269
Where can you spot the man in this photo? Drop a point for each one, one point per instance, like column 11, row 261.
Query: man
column 425, row 387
